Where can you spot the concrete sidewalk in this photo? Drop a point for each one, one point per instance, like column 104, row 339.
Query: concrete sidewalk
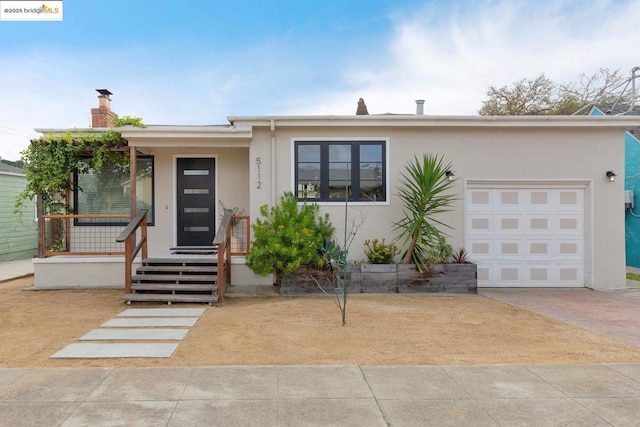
column 498, row 395
column 13, row 269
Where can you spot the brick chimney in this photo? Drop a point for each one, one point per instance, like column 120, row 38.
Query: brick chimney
column 102, row 117
column 362, row 108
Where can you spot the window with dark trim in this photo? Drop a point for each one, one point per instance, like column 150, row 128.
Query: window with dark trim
column 326, row 171
column 108, row 191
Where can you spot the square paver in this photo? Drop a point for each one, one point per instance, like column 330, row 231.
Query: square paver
column 156, row 334
column 501, row 381
column 541, row 412
column 115, row 350
column 138, row 413
column 138, row 322
column 43, row 414
column 617, row 411
column 127, row 384
column 629, row 370
column 233, row 382
column 162, row 312
column 587, row 380
column 319, row 382
column 245, row 413
column 54, row 385
column 9, row 375
column 329, row 412
column 412, row 382
column 435, row 412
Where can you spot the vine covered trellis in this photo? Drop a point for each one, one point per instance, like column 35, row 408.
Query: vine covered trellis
column 51, row 160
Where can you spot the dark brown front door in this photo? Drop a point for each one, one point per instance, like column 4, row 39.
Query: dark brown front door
column 196, row 201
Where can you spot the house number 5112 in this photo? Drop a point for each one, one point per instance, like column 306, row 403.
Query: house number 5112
column 258, row 163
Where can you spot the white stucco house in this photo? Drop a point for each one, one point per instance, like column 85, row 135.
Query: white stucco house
column 535, row 206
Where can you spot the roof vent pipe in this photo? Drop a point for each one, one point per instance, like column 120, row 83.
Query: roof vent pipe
column 420, row 107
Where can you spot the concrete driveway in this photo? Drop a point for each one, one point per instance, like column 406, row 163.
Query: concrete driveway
column 615, row 315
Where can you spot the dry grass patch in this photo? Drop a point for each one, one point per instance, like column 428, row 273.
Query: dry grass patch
column 380, row 330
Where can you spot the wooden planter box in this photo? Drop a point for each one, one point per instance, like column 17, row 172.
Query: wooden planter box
column 453, row 278
column 300, row 282
column 389, row 278
column 379, row 278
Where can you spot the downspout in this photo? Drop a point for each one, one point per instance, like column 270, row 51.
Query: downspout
column 273, row 162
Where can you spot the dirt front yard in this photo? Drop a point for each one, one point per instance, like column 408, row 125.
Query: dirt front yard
column 380, row 330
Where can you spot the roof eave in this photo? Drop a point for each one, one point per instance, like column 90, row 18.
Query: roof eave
column 411, row 120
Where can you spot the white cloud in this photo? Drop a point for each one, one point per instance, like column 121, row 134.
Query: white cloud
column 450, row 59
column 447, row 55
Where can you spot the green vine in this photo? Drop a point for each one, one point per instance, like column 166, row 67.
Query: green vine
column 51, row 160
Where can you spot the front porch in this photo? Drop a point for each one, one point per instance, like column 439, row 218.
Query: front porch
column 123, row 262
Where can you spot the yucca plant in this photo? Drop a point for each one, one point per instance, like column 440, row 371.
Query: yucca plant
column 425, row 192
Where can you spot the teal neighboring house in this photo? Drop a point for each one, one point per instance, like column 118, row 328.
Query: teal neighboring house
column 18, row 237
column 631, row 181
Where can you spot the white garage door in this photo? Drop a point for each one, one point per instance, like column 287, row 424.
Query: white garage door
column 530, row 237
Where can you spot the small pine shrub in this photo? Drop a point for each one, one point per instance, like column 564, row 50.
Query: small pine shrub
column 289, row 236
column 379, row 252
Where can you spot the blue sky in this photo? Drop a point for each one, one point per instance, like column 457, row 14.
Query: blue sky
column 197, row 62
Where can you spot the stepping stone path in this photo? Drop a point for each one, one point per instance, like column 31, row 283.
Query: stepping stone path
column 131, row 326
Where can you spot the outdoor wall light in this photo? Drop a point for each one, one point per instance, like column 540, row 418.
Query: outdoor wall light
column 450, row 175
column 611, row 175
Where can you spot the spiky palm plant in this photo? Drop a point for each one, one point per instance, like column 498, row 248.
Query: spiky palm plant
column 424, row 191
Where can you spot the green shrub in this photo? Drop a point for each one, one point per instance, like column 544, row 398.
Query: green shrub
column 440, row 253
column 334, row 257
column 379, row 252
column 424, row 190
column 290, row 235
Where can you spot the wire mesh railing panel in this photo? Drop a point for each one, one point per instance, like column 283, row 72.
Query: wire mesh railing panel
column 240, row 234
column 65, row 235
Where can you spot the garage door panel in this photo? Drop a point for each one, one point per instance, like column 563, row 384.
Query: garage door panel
column 539, row 275
column 569, row 224
column 510, row 248
column 526, row 236
column 538, row 224
column 480, row 224
column 480, row 198
column 570, row 274
column 540, row 249
column 482, row 249
column 510, row 274
column 570, row 250
column 571, row 200
column 539, row 200
column 508, row 224
column 484, row 273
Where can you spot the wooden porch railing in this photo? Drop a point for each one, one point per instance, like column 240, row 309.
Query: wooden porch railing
column 222, row 240
column 131, row 249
